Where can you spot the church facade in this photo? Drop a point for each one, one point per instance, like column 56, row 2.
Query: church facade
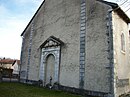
column 78, row 45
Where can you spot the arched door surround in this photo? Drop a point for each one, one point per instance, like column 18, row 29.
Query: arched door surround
column 52, row 47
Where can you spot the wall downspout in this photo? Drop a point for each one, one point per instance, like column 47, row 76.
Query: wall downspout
column 111, row 54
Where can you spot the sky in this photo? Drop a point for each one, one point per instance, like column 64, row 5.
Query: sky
column 14, row 17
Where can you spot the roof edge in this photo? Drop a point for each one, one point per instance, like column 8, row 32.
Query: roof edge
column 32, row 17
column 123, row 15
column 117, row 9
column 113, row 5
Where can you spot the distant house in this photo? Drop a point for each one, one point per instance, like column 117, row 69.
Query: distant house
column 6, row 63
column 16, row 67
column 10, row 64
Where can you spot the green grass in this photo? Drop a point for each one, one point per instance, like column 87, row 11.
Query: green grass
column 23, row 90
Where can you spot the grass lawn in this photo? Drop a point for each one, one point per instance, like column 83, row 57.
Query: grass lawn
column 23, row 90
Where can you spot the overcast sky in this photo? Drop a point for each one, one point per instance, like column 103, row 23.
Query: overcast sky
column 14, row 16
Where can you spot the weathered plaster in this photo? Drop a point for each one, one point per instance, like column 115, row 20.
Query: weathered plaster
column 121, row 58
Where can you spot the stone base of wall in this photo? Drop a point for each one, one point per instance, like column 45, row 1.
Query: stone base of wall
column 86, row 93
column 31, row 82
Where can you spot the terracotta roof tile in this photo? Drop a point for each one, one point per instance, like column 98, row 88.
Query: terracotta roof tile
column 7, row 61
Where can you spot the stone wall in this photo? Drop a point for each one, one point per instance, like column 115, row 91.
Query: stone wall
column 60, row 19
column 24, row 54
column 97, row 75
column 121, row 58
column 64, row 19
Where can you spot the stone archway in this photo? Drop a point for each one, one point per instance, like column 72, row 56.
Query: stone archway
column 44, row 62
column 52, row 47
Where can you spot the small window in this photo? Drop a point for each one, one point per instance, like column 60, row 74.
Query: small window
column 122, row 42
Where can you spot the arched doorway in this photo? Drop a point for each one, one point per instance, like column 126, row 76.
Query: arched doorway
column 50, row 61
column 50, row 69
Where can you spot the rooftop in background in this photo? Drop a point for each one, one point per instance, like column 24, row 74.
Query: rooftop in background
column 9, row 61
